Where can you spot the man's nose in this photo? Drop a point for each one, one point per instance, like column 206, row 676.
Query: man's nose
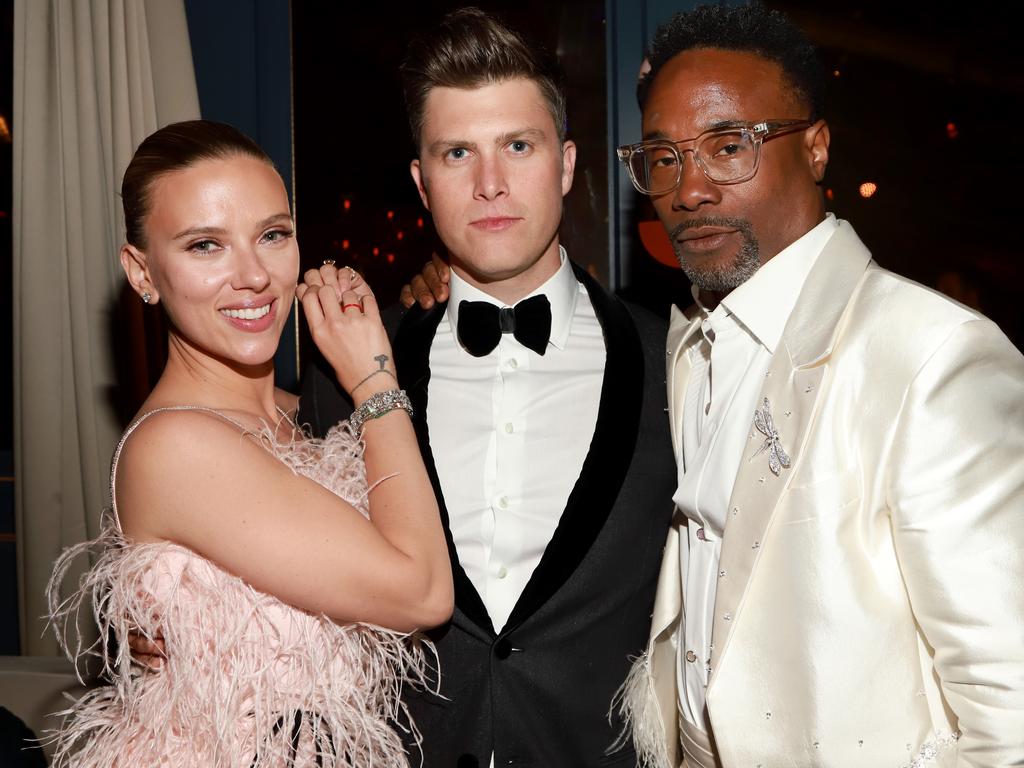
column 695, row 188
column 491, row 178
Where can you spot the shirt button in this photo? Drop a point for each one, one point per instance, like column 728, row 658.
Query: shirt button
column 502, row 572
column 691, row 656
column 503, row 502
column 509, row 428
column 513, row 363
column 700, row 534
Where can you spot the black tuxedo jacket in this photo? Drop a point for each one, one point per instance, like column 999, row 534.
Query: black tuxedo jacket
column 538, row 692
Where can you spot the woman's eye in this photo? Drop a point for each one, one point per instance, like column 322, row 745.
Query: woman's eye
column 203, row 246
column 277, row 235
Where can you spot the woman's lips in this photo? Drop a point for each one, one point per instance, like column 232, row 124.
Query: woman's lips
column 248, row 318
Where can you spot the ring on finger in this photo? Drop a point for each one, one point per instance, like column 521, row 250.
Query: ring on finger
column 352, row 275
column 357, row 306
column 328, row 262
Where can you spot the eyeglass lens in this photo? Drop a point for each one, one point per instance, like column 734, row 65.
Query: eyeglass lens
column 723, row 157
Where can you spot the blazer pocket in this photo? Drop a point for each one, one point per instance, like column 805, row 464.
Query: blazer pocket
column 827, row 496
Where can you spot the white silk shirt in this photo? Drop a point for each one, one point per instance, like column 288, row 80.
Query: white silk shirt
column 509, row 432
column 728, row 364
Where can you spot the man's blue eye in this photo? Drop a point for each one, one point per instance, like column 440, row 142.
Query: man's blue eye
column 520, row 146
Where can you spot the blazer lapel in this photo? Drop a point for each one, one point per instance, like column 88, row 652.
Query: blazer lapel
column 611, row 451
column 792, row 388
column 412, row 344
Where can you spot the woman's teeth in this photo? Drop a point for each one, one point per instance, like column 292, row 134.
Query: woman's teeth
column 247, row 314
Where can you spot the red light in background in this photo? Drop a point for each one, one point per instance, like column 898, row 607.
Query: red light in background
column 376, row 251
column 830, row 194
column 419, row 222
column 391, row 258
column 346, row 204
column 951, row 130
column 344, row 245
column 391, row 215
column 400, row 234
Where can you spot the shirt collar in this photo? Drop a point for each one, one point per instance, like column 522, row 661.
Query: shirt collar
column 562, row 290
column 764, row 303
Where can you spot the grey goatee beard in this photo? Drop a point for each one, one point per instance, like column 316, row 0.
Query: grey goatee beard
column 718, row 278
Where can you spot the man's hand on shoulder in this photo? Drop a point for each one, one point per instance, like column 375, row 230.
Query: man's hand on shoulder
column 429, row 286
column 149, row 652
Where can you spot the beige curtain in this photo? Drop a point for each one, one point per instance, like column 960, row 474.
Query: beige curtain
column 91, row 79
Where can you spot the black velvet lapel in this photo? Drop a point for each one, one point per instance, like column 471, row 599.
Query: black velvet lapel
column 611, row 451
column 411, row 346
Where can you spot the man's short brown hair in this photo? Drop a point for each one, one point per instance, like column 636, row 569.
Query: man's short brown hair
column 470, row 49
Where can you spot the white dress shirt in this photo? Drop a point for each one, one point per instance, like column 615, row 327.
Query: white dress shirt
column 729, row 361
column 509, row 432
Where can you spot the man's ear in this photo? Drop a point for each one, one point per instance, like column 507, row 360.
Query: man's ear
column 133, row 262
column 417, row 176
column 816, row 140
column 568, row 165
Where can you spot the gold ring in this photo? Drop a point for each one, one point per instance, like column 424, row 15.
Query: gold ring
column 346, row 306
column 328, row 262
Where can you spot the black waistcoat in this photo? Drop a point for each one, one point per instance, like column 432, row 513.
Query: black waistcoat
column 538, row 692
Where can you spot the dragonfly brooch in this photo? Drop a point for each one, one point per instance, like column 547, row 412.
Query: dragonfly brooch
column 777, row 458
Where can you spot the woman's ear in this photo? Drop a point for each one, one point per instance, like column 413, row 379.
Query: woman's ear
column 133, row 261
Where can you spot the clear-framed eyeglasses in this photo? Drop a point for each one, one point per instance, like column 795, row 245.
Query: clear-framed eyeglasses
column 726, row 155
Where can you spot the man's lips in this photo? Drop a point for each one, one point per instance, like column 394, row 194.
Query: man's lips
column 494, row 223
column 700, row 239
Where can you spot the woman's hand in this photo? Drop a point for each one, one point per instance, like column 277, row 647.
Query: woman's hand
column 345, row 322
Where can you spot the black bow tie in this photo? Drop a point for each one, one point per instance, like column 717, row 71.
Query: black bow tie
column 481, row 324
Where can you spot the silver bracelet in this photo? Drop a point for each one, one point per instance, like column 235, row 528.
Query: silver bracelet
column 376, row 405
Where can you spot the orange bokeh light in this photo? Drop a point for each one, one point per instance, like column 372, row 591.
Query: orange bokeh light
column 344, row 245
column 868, row 188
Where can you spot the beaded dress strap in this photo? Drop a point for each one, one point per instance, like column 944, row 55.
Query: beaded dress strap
column 134, row 425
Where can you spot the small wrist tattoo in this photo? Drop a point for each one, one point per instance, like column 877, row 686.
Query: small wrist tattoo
column 383, row 360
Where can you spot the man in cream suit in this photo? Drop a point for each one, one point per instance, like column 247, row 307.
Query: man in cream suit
column 844, row 581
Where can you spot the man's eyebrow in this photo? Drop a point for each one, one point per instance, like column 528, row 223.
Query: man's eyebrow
column 715, row 126
column 531, row 134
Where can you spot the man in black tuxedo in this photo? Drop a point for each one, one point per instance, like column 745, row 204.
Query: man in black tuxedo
column 540, row 407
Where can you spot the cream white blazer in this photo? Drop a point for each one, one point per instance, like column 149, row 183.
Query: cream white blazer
column 870, row 604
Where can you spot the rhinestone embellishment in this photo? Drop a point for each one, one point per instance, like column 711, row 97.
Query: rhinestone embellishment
column 777, row 457
column 930, row 749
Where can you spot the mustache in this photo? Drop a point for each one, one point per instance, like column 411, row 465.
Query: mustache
column 727, row 222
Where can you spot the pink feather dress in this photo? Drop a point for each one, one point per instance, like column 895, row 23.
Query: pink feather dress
column 249, row 682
